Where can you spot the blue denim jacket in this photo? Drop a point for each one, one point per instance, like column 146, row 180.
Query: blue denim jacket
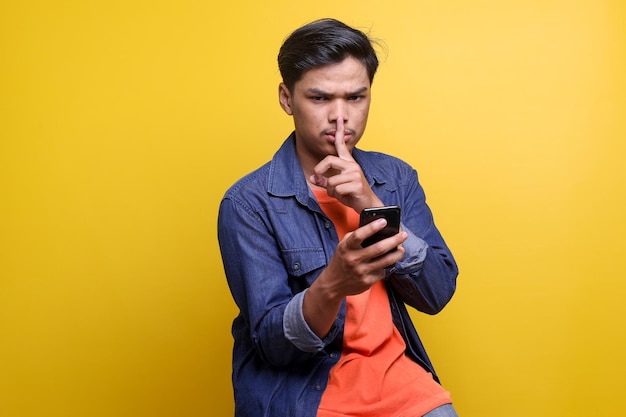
column 275, row 241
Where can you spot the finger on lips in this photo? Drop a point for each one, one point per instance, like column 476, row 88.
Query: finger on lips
column 340, row 144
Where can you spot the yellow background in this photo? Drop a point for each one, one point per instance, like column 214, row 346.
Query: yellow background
column 122, row 123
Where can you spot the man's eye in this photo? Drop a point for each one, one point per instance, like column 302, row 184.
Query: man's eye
column 318, row 98
column 355, row 98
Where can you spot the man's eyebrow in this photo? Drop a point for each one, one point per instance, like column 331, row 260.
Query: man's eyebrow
column 323, row 93
column 317, row 92
column 359, row 91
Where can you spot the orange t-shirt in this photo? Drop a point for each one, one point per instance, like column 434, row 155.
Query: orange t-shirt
column 373, row 377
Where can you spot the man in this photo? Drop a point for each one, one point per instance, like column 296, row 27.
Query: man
column 323, row 329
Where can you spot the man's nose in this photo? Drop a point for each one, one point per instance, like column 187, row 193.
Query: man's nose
column 339, row 110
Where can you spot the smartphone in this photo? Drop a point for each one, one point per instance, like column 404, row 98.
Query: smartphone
column 389, row 213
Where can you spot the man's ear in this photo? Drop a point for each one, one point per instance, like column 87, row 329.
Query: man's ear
column 284, row 97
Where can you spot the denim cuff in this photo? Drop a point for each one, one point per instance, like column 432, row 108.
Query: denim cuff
column 296, row 328
column 415, row 250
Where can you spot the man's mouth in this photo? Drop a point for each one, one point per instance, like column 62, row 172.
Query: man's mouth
column 347, row 134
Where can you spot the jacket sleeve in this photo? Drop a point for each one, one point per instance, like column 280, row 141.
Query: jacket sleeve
column 258, row 281
column 426, row 277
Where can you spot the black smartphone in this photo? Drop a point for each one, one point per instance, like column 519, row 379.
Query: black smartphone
column 389, row 213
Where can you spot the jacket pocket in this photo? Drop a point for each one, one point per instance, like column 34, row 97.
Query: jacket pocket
column 303, row 266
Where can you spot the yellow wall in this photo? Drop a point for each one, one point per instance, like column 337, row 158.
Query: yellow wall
column 123, row 122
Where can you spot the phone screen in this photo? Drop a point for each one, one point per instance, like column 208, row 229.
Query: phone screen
column 390, row 213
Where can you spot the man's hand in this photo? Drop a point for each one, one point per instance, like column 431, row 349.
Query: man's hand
column 352, row 270
column 342, row 176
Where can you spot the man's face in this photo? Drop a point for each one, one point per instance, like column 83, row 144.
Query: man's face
column 318, row 99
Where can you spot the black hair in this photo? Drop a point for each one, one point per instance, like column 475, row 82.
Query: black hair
column 323, row 42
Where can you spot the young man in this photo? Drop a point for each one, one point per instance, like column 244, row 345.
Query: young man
column 323, row 329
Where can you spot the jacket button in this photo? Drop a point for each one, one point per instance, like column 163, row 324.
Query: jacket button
column 327, row 225
column 296, row 266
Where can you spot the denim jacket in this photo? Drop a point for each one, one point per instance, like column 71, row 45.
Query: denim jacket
column 275, row 241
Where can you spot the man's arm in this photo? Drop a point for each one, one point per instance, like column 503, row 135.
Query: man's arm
column 258, row 281
column 426, row 276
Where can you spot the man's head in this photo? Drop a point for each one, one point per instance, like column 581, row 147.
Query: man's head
column 320, row 43
column 327, row 70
